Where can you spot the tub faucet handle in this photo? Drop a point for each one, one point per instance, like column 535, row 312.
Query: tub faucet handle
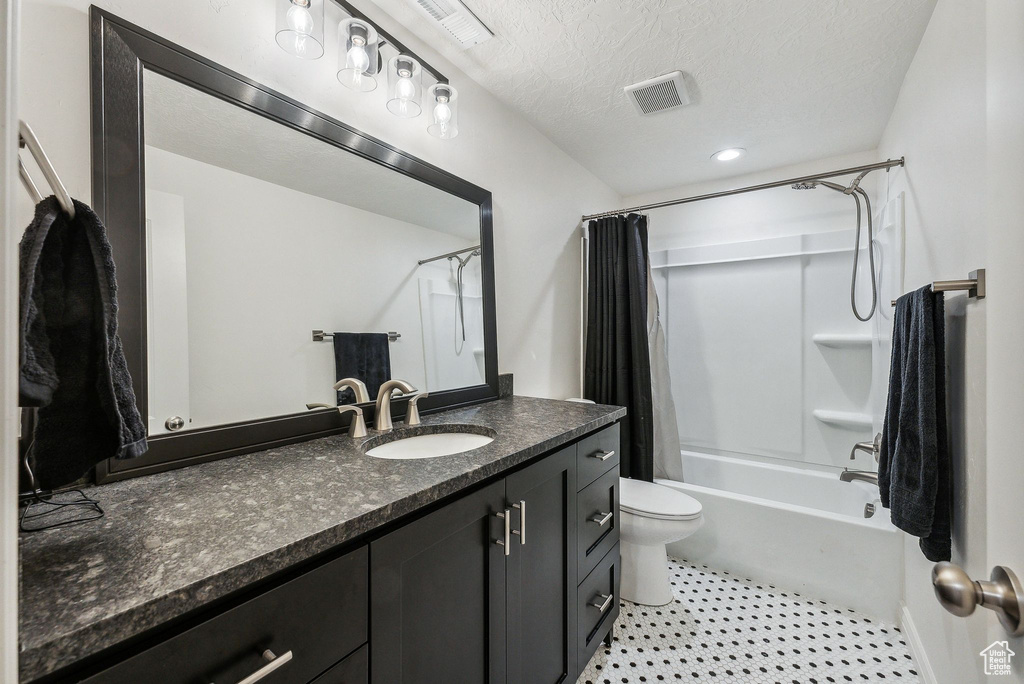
column 874, row 447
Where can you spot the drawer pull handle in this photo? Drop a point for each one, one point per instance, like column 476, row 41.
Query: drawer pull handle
column 602, row 455
column 506, row 541
column 522, row 522
column 273, row 663
column 606, row 601
column 602, row 518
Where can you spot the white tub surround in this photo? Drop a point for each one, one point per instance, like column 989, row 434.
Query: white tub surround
column 798, row 528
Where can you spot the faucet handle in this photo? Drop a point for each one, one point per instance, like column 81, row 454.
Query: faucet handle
column 412, row 413
column 357, row 386
column 874, row 447
column 357, row 428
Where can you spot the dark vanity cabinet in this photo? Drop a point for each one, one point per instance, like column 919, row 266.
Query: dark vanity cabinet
column 541, row 571
column 513, row 582
column 438, row 595
column 516, row 583
column 482, row 590
column 309, row 628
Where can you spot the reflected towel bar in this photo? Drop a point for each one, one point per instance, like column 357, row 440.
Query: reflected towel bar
column 319, row 335
column 974, row 284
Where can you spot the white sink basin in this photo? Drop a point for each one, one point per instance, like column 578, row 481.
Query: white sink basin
column 430, row 446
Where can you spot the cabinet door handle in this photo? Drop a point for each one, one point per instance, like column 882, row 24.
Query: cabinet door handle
column 602, row 518
column 506, row 541
column 603, row 605
column 273, row 663
column 522, row 522
column 602, row 455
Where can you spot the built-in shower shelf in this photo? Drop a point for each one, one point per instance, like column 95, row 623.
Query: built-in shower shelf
column 842, row 341
column 845, row 419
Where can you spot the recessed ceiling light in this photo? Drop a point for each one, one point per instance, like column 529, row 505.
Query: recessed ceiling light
column 729, row 154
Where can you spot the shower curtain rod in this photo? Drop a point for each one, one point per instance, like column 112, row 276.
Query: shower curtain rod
column 448, row 254
column 751, row 188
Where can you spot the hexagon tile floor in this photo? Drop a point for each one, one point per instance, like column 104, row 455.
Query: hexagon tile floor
column 722, row 628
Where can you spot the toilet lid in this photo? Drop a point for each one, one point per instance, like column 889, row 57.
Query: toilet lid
column 650, row 500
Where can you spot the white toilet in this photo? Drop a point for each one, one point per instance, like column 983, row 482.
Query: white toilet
column 652, row 516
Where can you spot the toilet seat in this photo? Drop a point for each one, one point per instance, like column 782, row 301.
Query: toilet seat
column 657, row 502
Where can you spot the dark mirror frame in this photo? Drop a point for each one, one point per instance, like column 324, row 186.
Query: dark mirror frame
column 120, row 53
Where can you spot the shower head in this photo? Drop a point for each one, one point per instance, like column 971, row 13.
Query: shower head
column 805, row 186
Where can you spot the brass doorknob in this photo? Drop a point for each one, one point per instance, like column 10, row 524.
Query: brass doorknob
column 960, row 595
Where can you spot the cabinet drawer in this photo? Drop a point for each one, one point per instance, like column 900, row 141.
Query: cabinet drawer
column 352, row 670
column 596, row 455
column 597, row 531
column 318, row 617
column 599, row 590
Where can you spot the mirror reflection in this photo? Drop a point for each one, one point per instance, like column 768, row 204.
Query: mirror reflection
column 258, row 236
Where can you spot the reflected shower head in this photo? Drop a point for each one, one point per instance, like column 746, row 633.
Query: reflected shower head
column 805, row 186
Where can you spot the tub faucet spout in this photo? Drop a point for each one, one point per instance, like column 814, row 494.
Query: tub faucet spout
column 863, row 475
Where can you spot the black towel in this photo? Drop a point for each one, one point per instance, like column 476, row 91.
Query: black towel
column 72, row 364
column 365, row 356
column 914, row 468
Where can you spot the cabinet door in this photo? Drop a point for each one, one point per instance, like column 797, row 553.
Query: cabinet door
column 542, row 571
column 437, row 596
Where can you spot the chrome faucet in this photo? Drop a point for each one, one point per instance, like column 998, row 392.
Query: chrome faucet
column 383, row 410
column 863, row 475
column 358, row 388
column 357, row 426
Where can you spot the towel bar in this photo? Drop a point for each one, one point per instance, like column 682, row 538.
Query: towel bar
column 319, row 335
column 974, row 284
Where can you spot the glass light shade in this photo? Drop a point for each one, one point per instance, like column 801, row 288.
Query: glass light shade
column 300, row 27
column 358, row 62
column 443, row 107
column 405, row 87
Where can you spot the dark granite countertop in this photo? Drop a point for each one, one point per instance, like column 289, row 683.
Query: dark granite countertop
column 173, row 542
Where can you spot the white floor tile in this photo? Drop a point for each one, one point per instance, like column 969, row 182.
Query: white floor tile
column 722, row 628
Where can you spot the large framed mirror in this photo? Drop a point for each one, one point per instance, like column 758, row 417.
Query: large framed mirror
column 265, row 250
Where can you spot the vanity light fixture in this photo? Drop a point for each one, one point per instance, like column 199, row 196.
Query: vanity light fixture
column 405, row 88
column 444, row 116
column 300, row 27
column 358, row 60
column 729, row 154
column 362, row 48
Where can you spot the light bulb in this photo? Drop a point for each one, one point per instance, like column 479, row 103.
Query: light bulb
column 404, row 89
column 442, row 113
column 300, row 20
column 357, row 59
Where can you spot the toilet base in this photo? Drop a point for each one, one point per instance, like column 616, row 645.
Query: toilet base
column 644, row 574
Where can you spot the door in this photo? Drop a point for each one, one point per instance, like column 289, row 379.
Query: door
column 437, row 596
column 542, row 571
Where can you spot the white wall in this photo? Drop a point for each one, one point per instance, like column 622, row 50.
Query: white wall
column 539, row 192
column 10, row 234
column 265, row 266
column 939, row 124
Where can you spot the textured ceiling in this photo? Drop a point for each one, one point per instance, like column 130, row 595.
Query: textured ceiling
column 191, row 123
column 789, row 80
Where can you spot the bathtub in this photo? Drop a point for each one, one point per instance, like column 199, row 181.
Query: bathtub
column 796, row 528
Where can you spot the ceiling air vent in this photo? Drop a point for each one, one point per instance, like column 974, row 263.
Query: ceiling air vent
column 457, row 20
column 658, row 94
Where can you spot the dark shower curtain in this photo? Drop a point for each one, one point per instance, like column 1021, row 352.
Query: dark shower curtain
column 618, row 362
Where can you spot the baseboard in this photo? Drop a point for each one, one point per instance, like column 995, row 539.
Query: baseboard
column 924, row 668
